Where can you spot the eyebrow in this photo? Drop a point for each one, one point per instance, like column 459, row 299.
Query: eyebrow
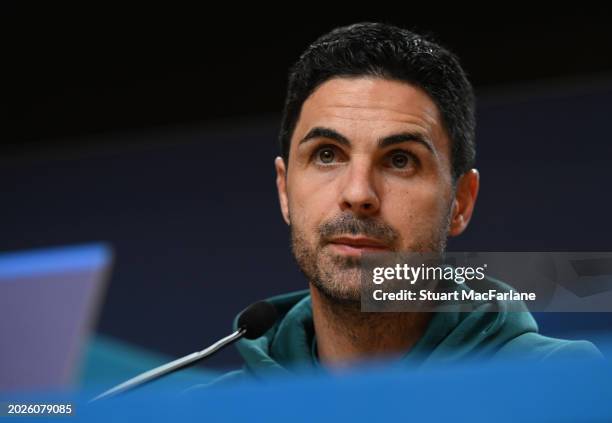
column 322, row 132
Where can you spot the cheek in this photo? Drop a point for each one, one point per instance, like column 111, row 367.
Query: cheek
column 310, row 204
column 415, row 210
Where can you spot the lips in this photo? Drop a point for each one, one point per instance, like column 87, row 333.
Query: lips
column 354, row 246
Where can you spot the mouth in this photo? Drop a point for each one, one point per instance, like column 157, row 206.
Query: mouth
column 355, row 246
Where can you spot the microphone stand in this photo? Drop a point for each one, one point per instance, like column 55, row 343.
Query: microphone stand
column 157, row 372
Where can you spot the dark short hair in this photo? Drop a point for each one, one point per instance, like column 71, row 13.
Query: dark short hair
column 386, row 51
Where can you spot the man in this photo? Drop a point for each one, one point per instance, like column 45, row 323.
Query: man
column 377, row 143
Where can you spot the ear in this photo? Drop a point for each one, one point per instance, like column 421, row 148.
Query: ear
column 466, row 192
column 281, row 186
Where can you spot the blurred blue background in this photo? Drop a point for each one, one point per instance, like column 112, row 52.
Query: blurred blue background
column 168, row 156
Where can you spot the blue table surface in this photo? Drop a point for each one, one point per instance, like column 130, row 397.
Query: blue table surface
column 570, row 391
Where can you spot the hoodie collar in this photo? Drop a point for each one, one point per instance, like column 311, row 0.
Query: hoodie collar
column 290, row 345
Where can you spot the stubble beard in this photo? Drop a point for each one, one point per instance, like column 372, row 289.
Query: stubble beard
column 338, row 278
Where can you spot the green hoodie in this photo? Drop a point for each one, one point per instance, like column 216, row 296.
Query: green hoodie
column 290, row 345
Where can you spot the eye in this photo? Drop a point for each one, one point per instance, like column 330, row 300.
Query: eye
column 325, row 155
column 401, row 159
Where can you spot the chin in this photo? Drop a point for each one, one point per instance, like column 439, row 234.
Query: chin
column 339, row 285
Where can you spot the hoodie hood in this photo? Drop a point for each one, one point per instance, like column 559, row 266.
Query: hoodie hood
column 450, row 336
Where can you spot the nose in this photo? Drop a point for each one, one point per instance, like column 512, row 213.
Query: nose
column 358, row 193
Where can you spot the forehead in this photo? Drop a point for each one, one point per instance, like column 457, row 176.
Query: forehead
column 364, row 108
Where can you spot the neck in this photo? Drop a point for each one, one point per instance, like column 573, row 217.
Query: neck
column 346, row 335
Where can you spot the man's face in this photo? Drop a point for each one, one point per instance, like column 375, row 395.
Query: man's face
column 369, row 170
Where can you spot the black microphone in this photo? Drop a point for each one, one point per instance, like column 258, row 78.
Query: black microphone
column 254, row 321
